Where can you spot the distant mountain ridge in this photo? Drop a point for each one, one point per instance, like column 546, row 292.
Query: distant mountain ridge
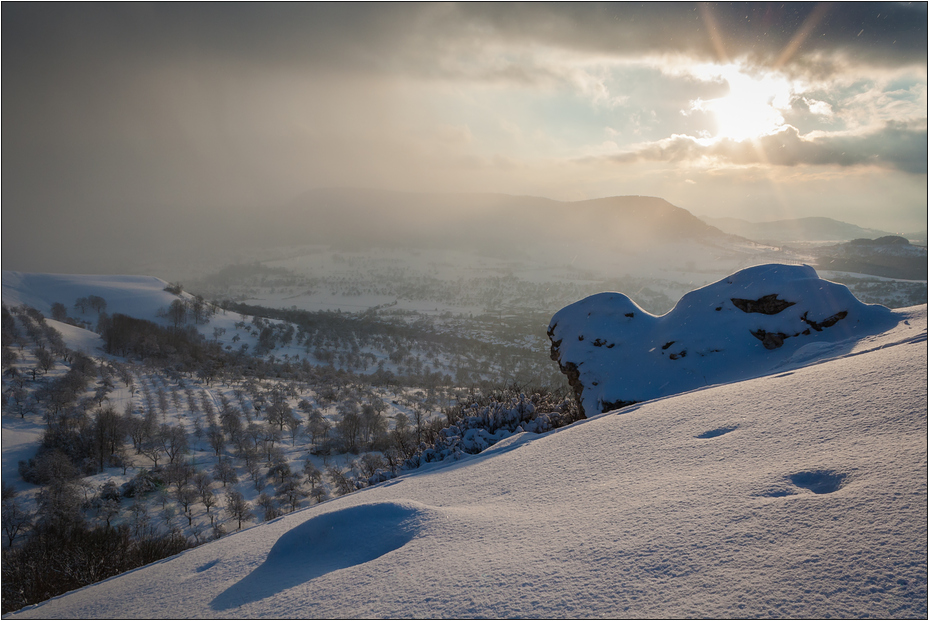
column 798, row 229
column 398, row 218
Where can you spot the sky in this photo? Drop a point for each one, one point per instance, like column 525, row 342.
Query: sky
column 120, row 112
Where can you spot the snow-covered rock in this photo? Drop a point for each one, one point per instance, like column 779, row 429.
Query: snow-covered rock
column 756, row 321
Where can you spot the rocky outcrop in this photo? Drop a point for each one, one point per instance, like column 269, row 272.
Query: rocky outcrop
column 615, row 354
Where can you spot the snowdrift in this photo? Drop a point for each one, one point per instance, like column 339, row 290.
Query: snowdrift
column 802, row 494
column 754, row 322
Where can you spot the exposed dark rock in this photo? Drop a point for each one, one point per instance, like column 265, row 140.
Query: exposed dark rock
column 770, row 340
column 615, row 405
column 827, row 323
column 573, row 374
column 766, row 305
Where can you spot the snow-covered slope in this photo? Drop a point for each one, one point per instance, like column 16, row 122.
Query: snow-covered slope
column 142, row 297
column 753, row 322
column 797, row 495
column 136, row 296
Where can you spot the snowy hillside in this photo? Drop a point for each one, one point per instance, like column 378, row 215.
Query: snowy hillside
column 136, row 296
column 802, row 494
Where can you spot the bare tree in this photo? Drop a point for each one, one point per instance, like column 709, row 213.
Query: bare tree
column 238, row 507
column 270, row 507
column 291, row 491
column 173, row 441
column 208, row 498
column 343, row 484
column 293, row 425
column 176, row 313
column 96, row 303
column 216, row 439
column 225, row 472
column 81, row 304
column 186, row 496
column 59, row 311
column 45, row 359
column 313, row 475
column 15, row 519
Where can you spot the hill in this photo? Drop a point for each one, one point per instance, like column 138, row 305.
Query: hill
column 358, row 218
column 794, row 230
column 802, row 494
column 889, row 257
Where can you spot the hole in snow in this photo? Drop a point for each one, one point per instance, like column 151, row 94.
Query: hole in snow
column 712, row 433
column 819, row 481
column 323, row 544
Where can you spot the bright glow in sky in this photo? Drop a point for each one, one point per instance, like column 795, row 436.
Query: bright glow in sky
column 752, row 108
column 757, row 111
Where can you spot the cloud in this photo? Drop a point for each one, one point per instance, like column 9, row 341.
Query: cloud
column 438, row 40
column 184, row 109
column 900, row 146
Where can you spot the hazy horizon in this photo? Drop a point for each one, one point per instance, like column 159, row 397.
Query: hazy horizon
column 129, row 125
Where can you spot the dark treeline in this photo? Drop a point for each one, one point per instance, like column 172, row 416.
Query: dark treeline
column 363, row 324
column 63, row 553
column 125, row 336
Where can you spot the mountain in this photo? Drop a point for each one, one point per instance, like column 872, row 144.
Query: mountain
column 368, row 217
column 889, row 257
column 800, row 494
column 794, row 230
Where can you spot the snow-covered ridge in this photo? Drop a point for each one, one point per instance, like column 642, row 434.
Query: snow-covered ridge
column 135, row 296
column 756, row 321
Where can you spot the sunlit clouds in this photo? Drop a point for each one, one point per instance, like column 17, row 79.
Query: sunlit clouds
column 205, row 109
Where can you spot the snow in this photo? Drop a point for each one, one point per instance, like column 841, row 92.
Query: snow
column 713, row 335
column 135, row 296
column 141, row 297
column 800, row 494
column 19, row 441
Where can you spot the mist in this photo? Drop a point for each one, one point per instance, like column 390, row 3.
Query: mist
column 136, row 134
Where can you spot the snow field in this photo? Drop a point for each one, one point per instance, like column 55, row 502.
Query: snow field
column 812, row 504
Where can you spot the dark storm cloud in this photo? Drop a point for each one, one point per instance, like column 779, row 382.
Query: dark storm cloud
column 417, row 37
column 897, row 145
column 885, row 33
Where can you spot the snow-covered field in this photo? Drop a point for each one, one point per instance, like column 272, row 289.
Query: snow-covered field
column 802, row 494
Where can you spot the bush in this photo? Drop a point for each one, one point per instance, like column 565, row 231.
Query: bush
column 143, row 482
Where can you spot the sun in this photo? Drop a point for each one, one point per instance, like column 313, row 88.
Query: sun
column 752, row 108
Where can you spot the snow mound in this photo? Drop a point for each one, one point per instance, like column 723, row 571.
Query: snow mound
column 756, row 321
column 326, row 543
